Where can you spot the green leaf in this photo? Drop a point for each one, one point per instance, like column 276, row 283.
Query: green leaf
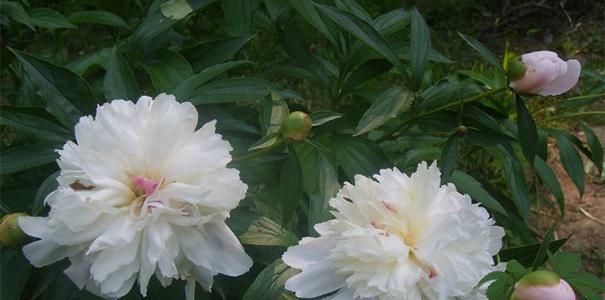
column 487, row 55
column 273, row 111
column 48, row 274
column 516, row 269
column 186, row 88
column 572, row 163
column 449, row 157
column 236, row 90
column 161, row 18
column 15, row 273
column 48, row 185
column 15, row 11
column 97, row 17
column 254, row 229
column 366, row 72
column 239, row 16
column 541, row 255
column 49, row 18
column 420, row 48
column 566, row 263
column 308, row 11
column 392, row 22
column 290, row 186
column 269, row 283
column 363, row 31
column 67, row 95
column 387, row 106
column 292, row 42
column 39, row 127
column 549, row 179
column 499, row 289
column 468, row 185
column 119, row 82
column 528, row 134
column 91, row 62
column 355, row 8
column 358, row 156
column 322, row 116
column 320, row 181
column 596, row 150
column 16, row 159
column 176, row 9
column 267, row 141
column 168, row 69
column 515, row 179
column 526, row 255
column 214, row 52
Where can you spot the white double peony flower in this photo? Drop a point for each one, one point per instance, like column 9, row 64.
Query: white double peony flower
column 400, row 237
column 141, row 193
column 546, row 74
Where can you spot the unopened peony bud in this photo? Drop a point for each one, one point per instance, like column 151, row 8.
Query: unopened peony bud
column 296, row 127
column 10, row 233
column 542, row 285
column 515, row 69
column 545, row 74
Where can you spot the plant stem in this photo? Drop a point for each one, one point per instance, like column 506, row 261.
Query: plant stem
column 255, row 154
column 580, row 114
column 438, row 109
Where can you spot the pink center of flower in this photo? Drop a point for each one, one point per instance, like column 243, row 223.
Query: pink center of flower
column 146, row 185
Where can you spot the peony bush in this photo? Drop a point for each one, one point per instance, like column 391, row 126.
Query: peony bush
column 337, row 166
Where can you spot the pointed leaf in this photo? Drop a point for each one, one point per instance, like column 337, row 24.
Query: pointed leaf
column 290, row 186
column 468, row 185
column 387, row 106
column 119, row 82
column 420, row 48
column 596, row 149
column 254, row 229
column 186, row 88
column 572, row 163
column 361, row 30
column 25, row 157
column 67, row 95
column 97, row 17
column 449, row 157
column 483, row 51
column 549, row 179
column 168, row 69
column 270, row 282
column 49, row 18
column 528, row 134
column 322, row 116
column 33, row 125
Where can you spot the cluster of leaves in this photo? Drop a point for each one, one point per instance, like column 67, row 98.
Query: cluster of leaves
column 376, row 105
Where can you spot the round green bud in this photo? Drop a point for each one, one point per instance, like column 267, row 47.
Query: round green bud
column 461, row 130
column 515, row 68
column 10, row 233
column 296, row 127
column 539, row 278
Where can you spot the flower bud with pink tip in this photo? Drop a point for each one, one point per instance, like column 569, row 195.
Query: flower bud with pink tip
column 542, row 285
column 544, row 73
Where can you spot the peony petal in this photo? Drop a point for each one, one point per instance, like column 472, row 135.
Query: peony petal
column 228, row 255
column 315, row 281
column 563, row 82
column 44, row 252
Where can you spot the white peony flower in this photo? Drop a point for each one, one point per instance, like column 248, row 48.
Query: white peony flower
column 397, row 238
column 546, row 74
column 141, row 193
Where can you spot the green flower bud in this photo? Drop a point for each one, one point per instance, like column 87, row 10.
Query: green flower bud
column 461, row 130
column 296, row 127
column 542, row 285
column 515, row 68
column 10, row 233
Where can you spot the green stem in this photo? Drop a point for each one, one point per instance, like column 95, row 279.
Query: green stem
column 440, row 108
column 580, row 114
column 255, row 154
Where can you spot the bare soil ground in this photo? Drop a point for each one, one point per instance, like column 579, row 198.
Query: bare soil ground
column 585, row 229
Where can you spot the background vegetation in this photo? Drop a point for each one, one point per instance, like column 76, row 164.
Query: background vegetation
column 248, row 63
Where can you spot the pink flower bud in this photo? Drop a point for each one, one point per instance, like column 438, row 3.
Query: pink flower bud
column 546, row 74
column 542, row 285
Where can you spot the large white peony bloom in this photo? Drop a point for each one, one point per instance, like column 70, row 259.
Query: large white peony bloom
column 398, row 238
column 141, row 193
